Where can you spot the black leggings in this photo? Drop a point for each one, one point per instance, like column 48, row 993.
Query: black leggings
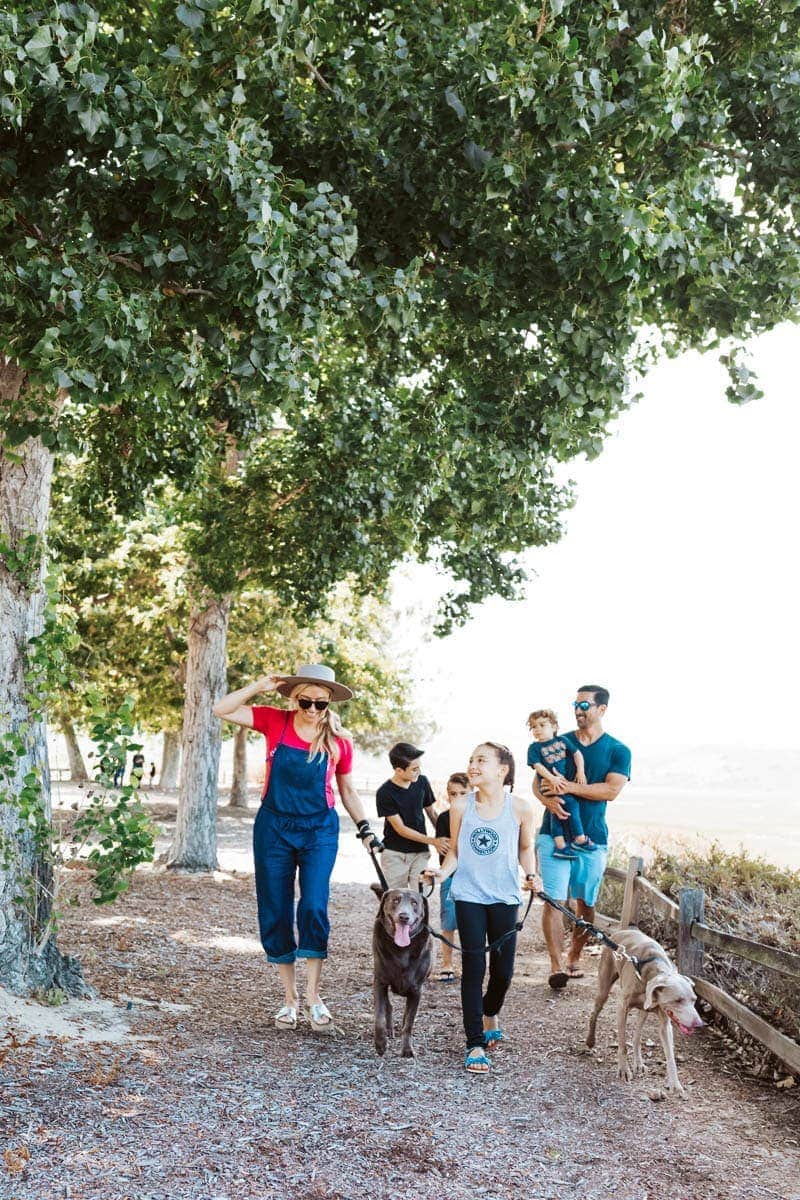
column 478, row 925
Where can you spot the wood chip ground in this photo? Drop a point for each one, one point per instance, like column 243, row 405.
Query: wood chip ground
column 206, row 1101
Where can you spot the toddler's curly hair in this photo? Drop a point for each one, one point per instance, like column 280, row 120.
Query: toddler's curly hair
column 548, row 715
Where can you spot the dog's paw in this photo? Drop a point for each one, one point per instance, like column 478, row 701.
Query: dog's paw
column 590, row 1041
column 625, row 1072
column 675, row 1089
column 380, row 1044
column 407, row 1050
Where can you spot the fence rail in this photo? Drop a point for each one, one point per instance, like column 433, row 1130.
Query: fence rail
column 693, row 936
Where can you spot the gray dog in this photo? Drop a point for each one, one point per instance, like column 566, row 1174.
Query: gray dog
column 401, row 950
column 657, row 988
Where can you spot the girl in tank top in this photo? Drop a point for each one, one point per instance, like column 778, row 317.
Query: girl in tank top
column 491, row 837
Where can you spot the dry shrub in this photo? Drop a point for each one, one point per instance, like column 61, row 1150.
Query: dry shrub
column 754, row 899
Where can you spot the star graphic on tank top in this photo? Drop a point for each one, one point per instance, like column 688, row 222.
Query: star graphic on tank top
column 483, row 840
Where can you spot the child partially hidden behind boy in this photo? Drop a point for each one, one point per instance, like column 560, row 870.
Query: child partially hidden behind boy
column 551, row 753
column 457, row 785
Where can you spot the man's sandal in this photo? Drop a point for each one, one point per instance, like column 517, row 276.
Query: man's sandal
column 446, row 977
column 286, row 1017
column 319, row 1017
column 476, row 1062
column 574, row 972
column 492, row 1035
column 558, row 980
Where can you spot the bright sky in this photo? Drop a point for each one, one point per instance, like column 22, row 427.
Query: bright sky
column 675, row 584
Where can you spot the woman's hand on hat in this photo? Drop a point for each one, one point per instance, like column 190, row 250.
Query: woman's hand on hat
column 268, row 683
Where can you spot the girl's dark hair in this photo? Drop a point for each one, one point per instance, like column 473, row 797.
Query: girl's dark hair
column 506, row 758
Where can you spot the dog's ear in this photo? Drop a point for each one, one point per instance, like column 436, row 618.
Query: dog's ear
column 426, row 912
column 382, row 905
column 658, row 981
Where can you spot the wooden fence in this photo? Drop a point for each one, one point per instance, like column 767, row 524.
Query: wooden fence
column 693, row 935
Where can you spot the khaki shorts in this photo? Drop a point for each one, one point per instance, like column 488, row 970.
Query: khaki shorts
column 403, row 870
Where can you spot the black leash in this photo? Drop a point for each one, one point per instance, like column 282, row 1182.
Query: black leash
column 377, row 865
column 585, row 926
column 492, row 945
column 599, row 935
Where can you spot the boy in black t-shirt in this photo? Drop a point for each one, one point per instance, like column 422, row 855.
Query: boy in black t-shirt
column 403, row 801
column 457, row 785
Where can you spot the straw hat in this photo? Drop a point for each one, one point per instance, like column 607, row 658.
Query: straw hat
column 314, row 673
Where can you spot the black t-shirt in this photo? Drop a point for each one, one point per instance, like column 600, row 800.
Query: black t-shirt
column 443, row 828
column 408, row 804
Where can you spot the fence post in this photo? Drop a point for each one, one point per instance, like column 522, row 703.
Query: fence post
column 690, row 952
column 630, row 901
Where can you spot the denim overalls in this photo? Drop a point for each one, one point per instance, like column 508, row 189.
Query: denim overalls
column 294, row 829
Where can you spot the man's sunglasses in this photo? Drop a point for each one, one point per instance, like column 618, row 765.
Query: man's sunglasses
column 306, row 704
column 583, row 705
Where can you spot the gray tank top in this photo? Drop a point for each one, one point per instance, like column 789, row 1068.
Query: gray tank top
column 488, row 857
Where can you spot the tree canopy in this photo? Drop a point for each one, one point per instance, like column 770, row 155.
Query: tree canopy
column 429, row 247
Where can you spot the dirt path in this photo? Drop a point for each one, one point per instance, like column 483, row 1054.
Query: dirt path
column 206, row 1101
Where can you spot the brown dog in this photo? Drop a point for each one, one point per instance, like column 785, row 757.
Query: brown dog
column 657, row 987
column 401, row 951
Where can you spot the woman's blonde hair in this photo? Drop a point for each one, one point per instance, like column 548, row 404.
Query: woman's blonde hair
column 330, row 726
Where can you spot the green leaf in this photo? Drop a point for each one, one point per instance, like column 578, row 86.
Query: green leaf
column 38, row 47
column 94, row 82
column 191, row 17
column 91, row 120
column 452, row 98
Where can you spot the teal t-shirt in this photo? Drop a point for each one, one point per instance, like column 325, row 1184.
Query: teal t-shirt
column 556, row 754
column 606, row 756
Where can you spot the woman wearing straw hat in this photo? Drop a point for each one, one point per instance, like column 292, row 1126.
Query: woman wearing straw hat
column 297, row 827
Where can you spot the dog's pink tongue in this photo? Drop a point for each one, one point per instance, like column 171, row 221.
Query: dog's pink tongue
column 402, row 934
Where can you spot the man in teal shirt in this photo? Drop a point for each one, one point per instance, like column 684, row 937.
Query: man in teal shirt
column 607, row 764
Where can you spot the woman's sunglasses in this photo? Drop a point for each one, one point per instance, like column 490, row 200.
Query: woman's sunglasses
column 306, row 704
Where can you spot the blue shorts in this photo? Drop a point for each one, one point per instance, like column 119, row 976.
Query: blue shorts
column 580, row 877
column 447, row 906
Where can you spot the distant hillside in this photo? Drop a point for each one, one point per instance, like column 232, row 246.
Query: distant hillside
column 720, row 768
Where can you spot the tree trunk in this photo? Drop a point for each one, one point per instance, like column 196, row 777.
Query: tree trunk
column 239, row 782
column 29, row 958
column 170, row 759
column 195, row 845
column 77, row 767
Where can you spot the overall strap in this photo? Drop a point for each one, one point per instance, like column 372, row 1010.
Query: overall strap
column 283, row 732
column 272, row 754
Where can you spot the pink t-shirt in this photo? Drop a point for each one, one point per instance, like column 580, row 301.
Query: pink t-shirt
column 270, row 721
